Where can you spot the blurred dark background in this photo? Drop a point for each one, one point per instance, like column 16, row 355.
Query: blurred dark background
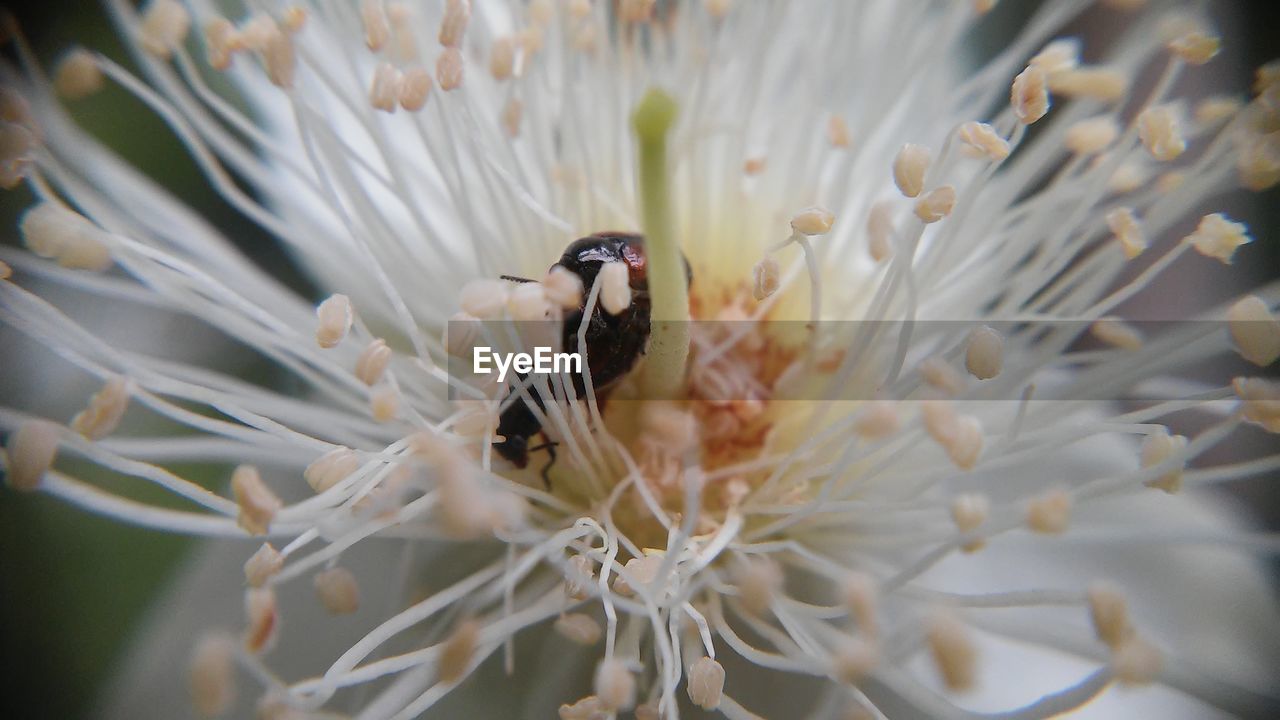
column 73, row 585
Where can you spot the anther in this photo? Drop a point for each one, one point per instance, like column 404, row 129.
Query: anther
column 982, row 139
column 384, row 404
column 457, row 651
column 280, row 58
column 1049, row 513
column 331, row 468
column 1213, row 110
column 105, row 409
column 861, row 595
column 211, row 675
column 263, row 619
column 528, row 301
column 1059, row 55
column 1092, row 136
column 636, row 11
column 1196, row 48
column 164, row 26
column 338, row 590
column 1255, row 330
column 936, row 204
column 77, row 75
column 766, row 278
column 969, row 512
column 1109, row 612
column 456, row 15
column 384, row 91
column 1029, row 95
column 578, row 628
column 706, row 683
column 502, row 58
column 484, row 298
column 376, row 28
column 564, row 288
column 335, row 318
column 954, row 654
column 939, row 374
column 1128, row 231
column 1158, row 129
column 615, row 685
column 1136, row 662
column 222, row 41
column 984, row 355
column 615, row 288
column 813, row 221
column 31, row 450
column 758, row 581
column 879, row 419
column 1217, row 237
column 852, row 659
column 1159, row 447
column 1092, row 83
column 512, row 114
column 880, row 231
column 838, row 131
column 263, row 565
column 909, row 168
column 1260, row 401
column 258, row 505
column 1117, row 333
column 51, row 231
column 373, row 362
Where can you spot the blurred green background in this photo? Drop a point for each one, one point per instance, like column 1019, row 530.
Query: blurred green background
column 73, row 585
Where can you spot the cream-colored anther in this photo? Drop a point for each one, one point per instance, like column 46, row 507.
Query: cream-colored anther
column 457, row 652
column 813, row 221
column 940, row 420
column 164, row 26
column 1029, row 95
column 1136, row 662
column 615, row 287
column 338, row 590
column 579, row 9
column 640, row 572
column 706, row 683
column 1258, row 162
column 30, row 450
column 759, row 582
column 1217, row 237
column 1170, row 181
column 940, row 375
column 982, row 7
column 331, row 468
column 415, row 87
column 457, row 13
column 255, row 31
column 953, row 652
column 1127, row 228
column 965, row 446
column 615, row 685
column 6, row 272
column 263, row 619
column 718, row 8
column 579, row 629
column 861, row 596
column 984, row 355
column 404, row 43
column 484, row 298
column 1117, row 333
column 970, row 511
column 1266, row 77
column 879, row 419
column 1109, row 613
column 373, row 362
column 1092, row 136
column 587, row 708
column 909, row 168
column 1160, row 133
column 852, row 659
column 838, row 131
column 449, row 69
column 52, row 231
column 564, row 288
column 77, row 74
column 105, row 409
column 211, row 679
column 335, row 318
column 257, row 504
column 384, row 404
column 1128, row 177
column 880, row 231
column 1058, row 55
column 263, row 565
column 1213, row 110
column 936, row 204
column 1049, row 513
column 528, row 302
column 984, row 141
column 1260, row 401
column 1255, row 330
column 461, row 334
column 1196, row 48
column 222, row 41
column 1157, row 448
column 766, row 278
column 1092, row 83
column 280, row 58
column 512, row 114
column 384, row 91
column 636, row 11
column 754, row 165
column 377, row 30
column 578, row 578
column 293, row 19
column 502, row 58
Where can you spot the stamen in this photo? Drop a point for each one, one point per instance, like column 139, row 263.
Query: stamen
column 384, row 91
column 1059, row 55
column 484, row 298
column 1049, row 513
column 376, row 28
column 1217, row 237
column 759, row 581
column 280, row 58
column 457, row 13
column 1136, row 662
column 335, row 318
column 502, row 58
column 1157, row 448
column 1211, row 111
column 1255, row 330
column 579, row 629
column 338, row 590
column 579, row 579
column 766, row 278
column 564, row 288
column 754, row 165
column 373, row 362
column 106, row 407
column 878, row 420
column 263, row 619
column 615, row 685
column 813, row 221
column 457, row 651
column 30, row 450
column 718, row 9
column 838, row 131
column 449, row 69
column 909, row 168
column 222, row 41
column 936, row 204
column 983, row 140
column 880, row 231
column 1092, row 136
column 706, row 683
column 939, row 374
column 852, row 659
column 512, row 114
column 331, row 468
column 953, row 651
column 1128, row 231
column 77, row 75
column 6, row 272
column 16, row 144
column 384, row 404
column 984, row 356
column 1029, row 95
column 588, row 708
column 1196, row 48
column 969, row 512
column 1260, row 401
column 1109, row 612
column 164, row 27
column 1091, row 83
column 293, row 19
column 257, row 504
column 636, row 11
column 1158, row 129
column 211, row 675
column 263, row 565
column 51, row 231
column 1118, row 333
column 861, row 595
column 615, row 288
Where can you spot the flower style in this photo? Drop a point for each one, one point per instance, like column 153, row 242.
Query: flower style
column 884, row 478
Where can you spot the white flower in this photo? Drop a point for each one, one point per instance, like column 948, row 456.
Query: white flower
column 886, row 467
